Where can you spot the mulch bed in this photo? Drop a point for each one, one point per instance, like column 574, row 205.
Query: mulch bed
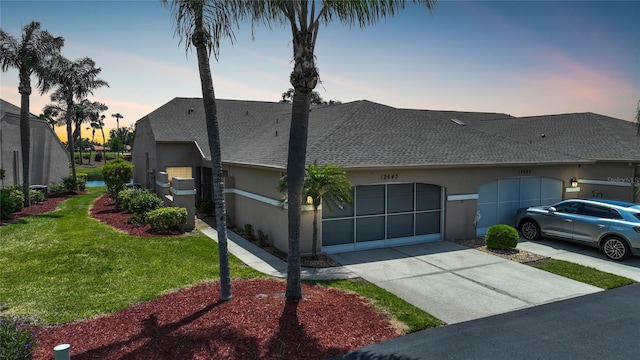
column 48, row 205
column 257, row 323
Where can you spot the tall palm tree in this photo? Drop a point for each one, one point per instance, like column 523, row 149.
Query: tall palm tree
column 30, row 56
column 83, row 111
column 201, row 24
column 118, row 116
column 305, row 17
column 97, row 122
column 74, row 81
column 327, row 184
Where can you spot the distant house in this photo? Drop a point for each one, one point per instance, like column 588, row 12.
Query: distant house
column 418, row 175
column 49, row 158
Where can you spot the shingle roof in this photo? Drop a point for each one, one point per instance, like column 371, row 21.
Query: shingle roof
column 367, row 134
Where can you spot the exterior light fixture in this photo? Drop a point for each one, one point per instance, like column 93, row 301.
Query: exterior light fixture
column 574, row 182
column 309, row 200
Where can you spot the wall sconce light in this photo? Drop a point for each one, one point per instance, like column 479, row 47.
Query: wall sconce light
column 574, row 182
column 309, row 200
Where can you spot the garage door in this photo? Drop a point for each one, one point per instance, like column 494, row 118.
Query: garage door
column 498, row 201
column 382, row 216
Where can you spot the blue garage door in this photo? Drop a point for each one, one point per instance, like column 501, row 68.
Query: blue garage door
column 382, row 216
column 498, row 201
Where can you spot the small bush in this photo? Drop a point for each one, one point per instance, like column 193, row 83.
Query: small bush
column 127, row 195
column 248, row 232
column 501, row 237
column 17, row 340
column 205, row 207
column 6, row 204
column 57, row 190
column 98, row 157
column 81, row 181
column 70, row 184
column 36, row 196
column 263, row 239
column 116, row 174
column 167, row 218
column 145, row 202
column 17, row 197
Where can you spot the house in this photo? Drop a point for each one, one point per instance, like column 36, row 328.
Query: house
column 49, row 157
column 418, row 175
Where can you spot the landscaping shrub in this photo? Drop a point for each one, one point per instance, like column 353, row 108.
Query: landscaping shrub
column 36, row 196
column 167, row 218
column 57, row 190
column 16, row 197
column 143, row 203
column 6, row 204
column 125, row 196
column 501, row 236
column 248, row 232
column 205, row 207
column 70, row 184
column 81, row 181
column 263, row 239
column 116, row 174
column 17, row 341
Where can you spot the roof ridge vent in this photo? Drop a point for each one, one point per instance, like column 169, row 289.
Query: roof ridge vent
column 459, row 122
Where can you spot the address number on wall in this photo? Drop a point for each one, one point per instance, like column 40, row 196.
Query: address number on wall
column 388, row 176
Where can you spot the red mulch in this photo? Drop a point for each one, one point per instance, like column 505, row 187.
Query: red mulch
column 257, row 323
column 48, row 205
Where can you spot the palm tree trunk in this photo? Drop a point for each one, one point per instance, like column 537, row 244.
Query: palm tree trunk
column 295, row 183
column 25, row 140
column 210, row 110
column 315, row 232
column 70, row 140
column 104, row 159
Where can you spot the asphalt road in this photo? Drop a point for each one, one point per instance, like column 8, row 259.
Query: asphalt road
column 604, row 325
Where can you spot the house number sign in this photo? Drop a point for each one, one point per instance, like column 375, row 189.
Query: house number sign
column 524, row 172
column 388, row 176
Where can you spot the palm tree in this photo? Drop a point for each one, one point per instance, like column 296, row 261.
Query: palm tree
column 201, row 24
column 74, row 80
column 118, row 116
column 304, row 17
column 327, row 182
column 30, row 56
column 82, row 113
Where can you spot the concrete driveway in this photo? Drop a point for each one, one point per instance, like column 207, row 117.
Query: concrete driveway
column 455, row 283
column 583, row 255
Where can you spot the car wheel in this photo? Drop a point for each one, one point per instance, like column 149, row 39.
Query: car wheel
column 615, row 248
column 530, row 230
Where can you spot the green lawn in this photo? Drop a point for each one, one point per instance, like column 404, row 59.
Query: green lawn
column 64, row 266
column 583, row 274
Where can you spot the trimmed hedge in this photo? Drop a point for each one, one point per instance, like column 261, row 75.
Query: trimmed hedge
column 501, row 237
column 167, row 218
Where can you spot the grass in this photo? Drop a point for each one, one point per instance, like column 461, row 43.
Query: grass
column 92, row 173
column 65, row 266
column 411, row 316
column 583, row 274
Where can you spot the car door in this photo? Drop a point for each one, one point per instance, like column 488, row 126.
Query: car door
column 559, row 222
column 592, row 223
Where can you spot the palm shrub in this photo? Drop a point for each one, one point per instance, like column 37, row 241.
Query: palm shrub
column 17, row 340
column 167, row 218
column 501, row 237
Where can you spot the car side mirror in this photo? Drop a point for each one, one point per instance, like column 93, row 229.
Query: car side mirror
column 551, row 210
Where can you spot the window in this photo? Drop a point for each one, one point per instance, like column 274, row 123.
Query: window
column 181, row 172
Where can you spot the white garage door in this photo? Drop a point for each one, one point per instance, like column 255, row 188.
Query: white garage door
column 498, row 201
column 382, row 216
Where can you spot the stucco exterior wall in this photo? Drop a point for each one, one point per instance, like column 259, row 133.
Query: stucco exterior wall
column 144, row 153
column 610, row 180
column 49, row 160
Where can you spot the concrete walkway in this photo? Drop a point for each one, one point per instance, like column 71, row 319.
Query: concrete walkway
column 451, row 282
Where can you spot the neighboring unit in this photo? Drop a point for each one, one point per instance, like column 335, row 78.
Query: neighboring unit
column 49, row 158
column 418, row 175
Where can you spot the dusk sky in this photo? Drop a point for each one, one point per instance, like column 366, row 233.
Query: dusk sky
column 523, row 58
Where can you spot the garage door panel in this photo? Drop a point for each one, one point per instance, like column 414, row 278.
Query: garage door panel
column 498, row 201
column 337, row 232
column 370, row 228
column 427, row 223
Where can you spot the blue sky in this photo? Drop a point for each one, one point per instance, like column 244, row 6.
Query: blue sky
column 523, row 58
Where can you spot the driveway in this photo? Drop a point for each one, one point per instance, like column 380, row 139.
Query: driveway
column 583, row 255
column 455, row 283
